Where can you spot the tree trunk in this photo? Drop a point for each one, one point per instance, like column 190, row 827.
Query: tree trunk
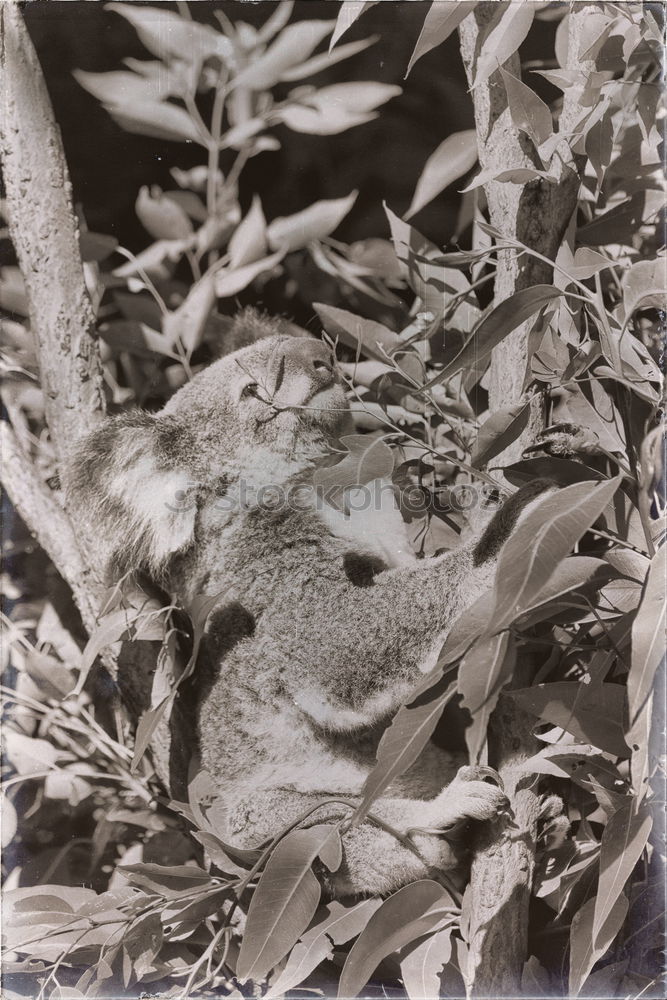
column 44, row 231
column 537, row 214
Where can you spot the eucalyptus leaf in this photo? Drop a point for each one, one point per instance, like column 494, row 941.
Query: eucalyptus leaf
column 286, row 898
column 291, row 48
column 320, row 219
column 334, row 109
column 441, row 20
column 230, row 281
column 453, row 158
column 594, row 713
column 404, row 739
column 350, row 11
column 503, row 39
column 166, row 33
column 586, row 947
column 648, row 636
column 406, row 916
column 333, row 925
column 545, row 537
column 645, row 285
column 529, row 112
column 367, row 336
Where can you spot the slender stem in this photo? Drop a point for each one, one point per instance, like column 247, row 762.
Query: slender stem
column 270, row 847
column 194, row 265
column 199, row 122
column 223, row 960
column 237, row 167
column 144, row 277
column 607, row 631
column 616, row 540
column 214, row 157
column 646, row 528
column 614, row 347
column 26, row 777
column 61, row 959
column 189, row 988
column 214, row 146
column 76, row 918
column 183, row 358
column 552, row 263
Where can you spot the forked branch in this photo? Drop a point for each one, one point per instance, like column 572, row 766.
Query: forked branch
column 44, row 231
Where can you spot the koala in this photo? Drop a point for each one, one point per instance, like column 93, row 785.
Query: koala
column 324, row 622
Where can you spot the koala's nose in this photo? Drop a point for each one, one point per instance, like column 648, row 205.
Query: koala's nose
column 311, row 357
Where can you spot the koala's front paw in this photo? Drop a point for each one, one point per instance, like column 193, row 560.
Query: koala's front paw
column 476, row 800
column 470, row 797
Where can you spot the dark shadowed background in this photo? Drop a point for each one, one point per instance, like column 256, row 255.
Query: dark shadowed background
column 382, row 159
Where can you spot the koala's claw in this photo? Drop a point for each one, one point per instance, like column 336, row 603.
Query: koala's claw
column 480, row 801
column 478, row 772
column 470, row 797
column 553, row 825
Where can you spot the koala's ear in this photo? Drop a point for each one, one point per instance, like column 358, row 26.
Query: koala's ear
column 137, row 501
column 250, row 325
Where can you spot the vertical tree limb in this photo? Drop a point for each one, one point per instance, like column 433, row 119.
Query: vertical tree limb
column 537, row 214
column 45, row 236
column 44, row 233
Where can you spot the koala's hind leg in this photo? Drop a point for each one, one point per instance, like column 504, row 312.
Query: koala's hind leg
column 375, row 860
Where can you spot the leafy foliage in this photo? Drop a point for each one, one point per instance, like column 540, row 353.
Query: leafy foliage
column 173, row 905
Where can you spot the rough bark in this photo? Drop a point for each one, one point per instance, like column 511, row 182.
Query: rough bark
column 44, row 231
column 537, row 214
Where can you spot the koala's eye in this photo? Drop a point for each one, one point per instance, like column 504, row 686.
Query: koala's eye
column 250, row 390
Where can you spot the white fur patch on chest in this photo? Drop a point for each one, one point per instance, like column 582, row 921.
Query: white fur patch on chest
column 374, row 524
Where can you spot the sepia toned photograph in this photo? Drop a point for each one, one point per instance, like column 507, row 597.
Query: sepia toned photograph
column 332, row 342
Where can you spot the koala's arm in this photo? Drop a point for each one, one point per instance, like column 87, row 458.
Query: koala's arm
column 374, row 642
column 374, row 859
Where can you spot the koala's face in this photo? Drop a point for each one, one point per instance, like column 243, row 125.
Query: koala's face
column 274, row 395
column 260, row 415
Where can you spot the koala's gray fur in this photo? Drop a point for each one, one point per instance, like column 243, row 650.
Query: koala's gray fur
column 324, row 623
